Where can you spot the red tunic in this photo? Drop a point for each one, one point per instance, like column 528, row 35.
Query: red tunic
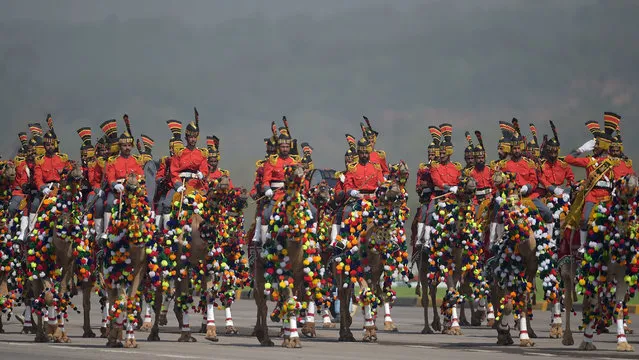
column 622, row 169
column 259, row 176
column 49, row 169
column 119, row 167
column 483, row 177
column 526, row 174
column 597, row 194
column 554, row 174
column 274, row 170
column 445, row 174
column 190, row 161
column 22, row 178
column 214, row 175
column 379, row 157
column 365, row 178
column 424, row 181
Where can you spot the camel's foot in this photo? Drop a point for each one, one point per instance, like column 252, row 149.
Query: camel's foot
column 281, row 334
column 328, row 325
column 526, row 343
column 427, row 330
column 185, row 336
column 476, row 318
column 627, row 330
column 231, row 330
column 556, row 331
column 211, row 333
column 531, row 333
column 163, row 320
column 267, row 342
column 490, row 323
column 28, row 330
column 567, row 339
column 455, row 330
column 88, row 333
column 463, row 322
column 436, row 325
column 130, row 344
column 625, row 347
column 294, row 343
column 146, row 326
column 19, row 317
column 154, row 335
column 1, row 330
column 370, row 334
column 286, row 342
column 63, row 338
column 348, row 337
column 504, row 338
column 587, row 346
column 104, row 332
column 41, row 337
column 390, row 326
column 308, row 329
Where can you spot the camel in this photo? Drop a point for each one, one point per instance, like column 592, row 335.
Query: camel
column 7, row 251
column 518, row 244
column 50, row 271
column 280, row 268
column 361, row 262
column 612, row 236
column 125, row 261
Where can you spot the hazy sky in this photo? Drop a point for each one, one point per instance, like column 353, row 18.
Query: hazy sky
column 323, row 64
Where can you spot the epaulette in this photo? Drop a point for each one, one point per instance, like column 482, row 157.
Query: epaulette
column 467, row 171
column 91, row 163
column 273, row 159
column 458, row 165
column 112, row 159
column 39, row 160
column 381, row 153
column 101, row 162
column 423, row 166
column 178, row 151
column 530, row 162
column 225, row 172
column 260, row 163
column 377, row 166
column 434, row 164
column 18, row 159
column 493, row 164
column 145, row 158
column 297, row 158
column 63, row 157
column 352, row 167
column 205, row 152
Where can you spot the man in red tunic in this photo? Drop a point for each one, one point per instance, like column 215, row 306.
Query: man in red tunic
column 376, row 156
column 273, row 179
column 339, row 190
column 164, row 185
column 424, row 185
column 190, row 167
column 623, row 165
column 213, row 146
column 554, row 172
column 117, row 169
column 48, row 171
column 257, row 193
column 20, row 187
column 482, row 174
column 599, row 174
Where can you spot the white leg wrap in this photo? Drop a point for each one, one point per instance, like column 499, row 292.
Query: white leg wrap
column 454, row 321
column 427, row 232
column 583, row 236
column 287, row 328
column 24, row 225
column 588, row 333
column 387, row 312
column 523, row 329
column 334, row 232
column 310, row 312
column 258, row 227
column 264, row 233
column 420, row 233
column 27, row 316
column 158, row 221
column 147, row 313
column 292, row 325
column 61, row 324
column 32, row 220
column 52, row 315
column 556, row 313
column 621, row 334
column 186, row 324
column 490, row 313
column 105, row 314
column 229, row 317
column 130, row 333
column 368, row 316
column 119, row 322
column 210, row 315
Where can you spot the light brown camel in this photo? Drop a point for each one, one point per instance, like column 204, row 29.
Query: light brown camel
column 7, row 177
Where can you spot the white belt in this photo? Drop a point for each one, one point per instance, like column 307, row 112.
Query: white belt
column 603, row 184
column 277, row 184
column 484, row 191
column 188, row 174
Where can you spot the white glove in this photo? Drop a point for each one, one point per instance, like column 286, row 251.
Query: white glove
column 46, row 191
column 524, row 189
column 587, row 146
column 99, row 193
column 558, row 191
column 269, row 193
column 199, row 175
column 354, row 193
column 119, row 188
column 181, row 189
column 453, row 189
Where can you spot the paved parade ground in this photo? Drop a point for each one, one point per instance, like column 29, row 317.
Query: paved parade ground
column 477, row 342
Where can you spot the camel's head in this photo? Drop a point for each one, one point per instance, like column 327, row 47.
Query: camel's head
column 75, row 175
column 627, row 188
column 321, row 193
column 131, row 183
column 223, row 183
column 467, row 187
column 503, row 180
column 294, row 175
column 390, row 192
column 9, row 171
column 399, row 172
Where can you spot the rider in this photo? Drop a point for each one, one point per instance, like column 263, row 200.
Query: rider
column 92, row 178
column 190, row 163
column 213, row 145
column 445, row 175
column 20, row 186
column 22, row 150
column 424, row 186
column 164, row 184
column 503, row 145
column 273, row 179
column 87, row 157
column 257, row 192
column 599, row 174
column 48, row 171
column 624, row 165
column 376, row 156
column 469, row 156
column 363, row 177
column 340, row 197
column 482, row 174
column 117, row 169
column 526, row 175
column 554, row 172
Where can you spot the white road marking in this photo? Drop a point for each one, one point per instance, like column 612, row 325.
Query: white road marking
column 539, row 354
column 422, row 347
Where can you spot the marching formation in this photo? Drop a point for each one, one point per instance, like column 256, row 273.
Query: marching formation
column 143, row 234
